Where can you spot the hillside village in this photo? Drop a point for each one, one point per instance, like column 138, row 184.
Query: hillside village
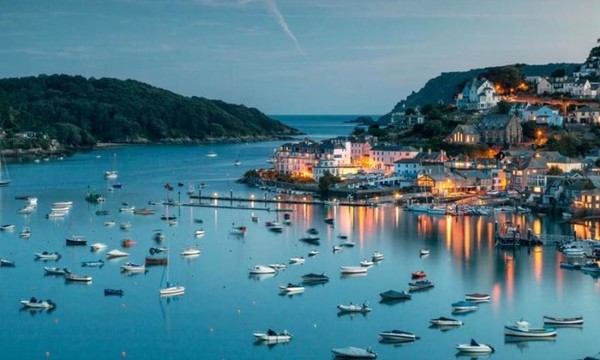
column 509, row 138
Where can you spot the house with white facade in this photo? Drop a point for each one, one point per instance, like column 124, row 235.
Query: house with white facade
column 477, row 94
column 384, row 156
column 543, row 115
column 587, row 115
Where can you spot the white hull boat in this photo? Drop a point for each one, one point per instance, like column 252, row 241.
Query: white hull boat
column 47, row 256
column 261, row 269
column 352, row 352
column 190, row 251
column 577, row 320
column 444, row 321
column 291, row 288
column 38, row 304
column 398, row 335
column 477, row 297
column 353, row 269
column 51, row 270
column 116, row 253
column 523, row 329
column 271, row 336
column 352, row 308
column 98, row 246
column 172, row 290
column 133, row 268
column 475, row 348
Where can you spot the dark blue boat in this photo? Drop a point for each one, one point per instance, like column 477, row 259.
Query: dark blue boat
column 113, row 292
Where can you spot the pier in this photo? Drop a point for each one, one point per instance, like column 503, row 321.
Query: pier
column 278, row 200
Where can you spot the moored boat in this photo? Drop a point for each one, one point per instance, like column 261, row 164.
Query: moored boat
column 47, row 255
column 353, row 269
column 311, row 239
column 272, row 336
column 419, row 285
column 113, row 292
column 351, row 352
column 366, row 263
column 34, row 303
column 8, row 228
column 131, row 267
column 191, row 250
column 552, row 320
column 171, row 290
column 98, row 246
column 398, row 335
column 78, row 278
column 353, row 308
column 475, row 348
column 98, row 263
column 424, row 252
column 522, row 328
column 278, row 266
column 315, row 278
column 445, row 321
column 392, row 295
column 153, row 261
column 52, row 270
column 313, row 253
column 418, row 274
column 291, row 288
column 76, row 241
column 261, row 269
column 7, row 263
column 477, row 297
column 297, row 260
column 238, row 230
column 127, row 243
column 377, row 256
column 464, row 306
column 116, row 253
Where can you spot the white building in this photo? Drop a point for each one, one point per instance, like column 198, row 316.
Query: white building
column 478, row 94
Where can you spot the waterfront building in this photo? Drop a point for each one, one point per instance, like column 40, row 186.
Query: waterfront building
column 384, row 156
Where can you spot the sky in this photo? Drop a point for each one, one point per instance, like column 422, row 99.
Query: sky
column 290, row 56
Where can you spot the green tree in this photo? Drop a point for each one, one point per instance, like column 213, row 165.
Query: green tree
column 554, row 170
column 325, row 182
column 558, row 73
column 503, row 107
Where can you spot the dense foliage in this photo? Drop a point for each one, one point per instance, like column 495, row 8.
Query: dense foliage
column 79, row 111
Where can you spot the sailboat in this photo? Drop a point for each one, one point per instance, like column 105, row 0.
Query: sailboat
column 211, row 153
column 170, row 289
column 4, row 176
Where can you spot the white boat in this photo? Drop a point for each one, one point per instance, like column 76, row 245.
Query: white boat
column 353, row 308
column 297, row 260
column 522, row 328
column 191, row 250
column 211, row 154
column 366, row 263
column 33, row 303
column 109, row 223
column 55, row 214
column 237, row 163
column 437, row 210
column 125, row 226
column 111, row 174
column 116, row 253
column 51, row 270
column 273, row 337
column 78, row 278
column 133, row 267
column 278, row 266
column 26, row 210
column 351, row 352
column 238, row 230
column 353, row 269
column 398, row 335
column 477, row 297
column 575, row 250
column 313, row 253
column 9, row 227
column 199, row 233
column 261, row 269
column 47, row 255
column 348, row 243
column 171, row 290
column 577, row 320
column 25, row 233
column 127, row 209
column 424, row 252
column 337, row 248
column 445, row 321
column 475, row 348
column 291, row 288
column 377, row 256
column 98, row 246
column 62, row 204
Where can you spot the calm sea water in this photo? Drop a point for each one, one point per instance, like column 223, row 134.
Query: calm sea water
column 223, row 305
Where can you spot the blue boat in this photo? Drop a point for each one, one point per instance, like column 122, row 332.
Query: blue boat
column 464, row 306
column 419, row 285
column 113, row 292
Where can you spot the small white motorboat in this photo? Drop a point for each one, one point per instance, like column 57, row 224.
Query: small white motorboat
column 25, row 233
column 116, row 253
column 398, row 335
column 261, row 269
column 271, row 336
column 445, row 321
column 377, row 256
column 351, row 352
column 78, row 278
column 313, row 253
column 348, row 243
column 475, row 348
column 522, row 328
column 278, row 266
column 33, row 303
column 477, row 297
column 366, row 263
column 337, row 248
column 199, row 233
column 52, row 270
column 191, row 251
column 98, row 246
column 552, row 320
column 424, row 252
column 109, row 223
column 171, row 290
column 47, row 255
column 353, row 269
column 297, row 260
column 125, row 226
column 291, row 288
column 133, row 267
column 8, row 228
column 353, row 308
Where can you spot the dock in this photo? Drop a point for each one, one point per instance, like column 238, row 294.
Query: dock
column 285, row 201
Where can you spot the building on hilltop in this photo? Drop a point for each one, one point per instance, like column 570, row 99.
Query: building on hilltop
column 542, row 115
column 477, row 94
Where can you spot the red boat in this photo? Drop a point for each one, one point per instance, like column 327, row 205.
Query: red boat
column 128, row 243
column 419, row 274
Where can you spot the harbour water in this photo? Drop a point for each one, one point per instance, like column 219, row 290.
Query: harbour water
column 223, row 305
